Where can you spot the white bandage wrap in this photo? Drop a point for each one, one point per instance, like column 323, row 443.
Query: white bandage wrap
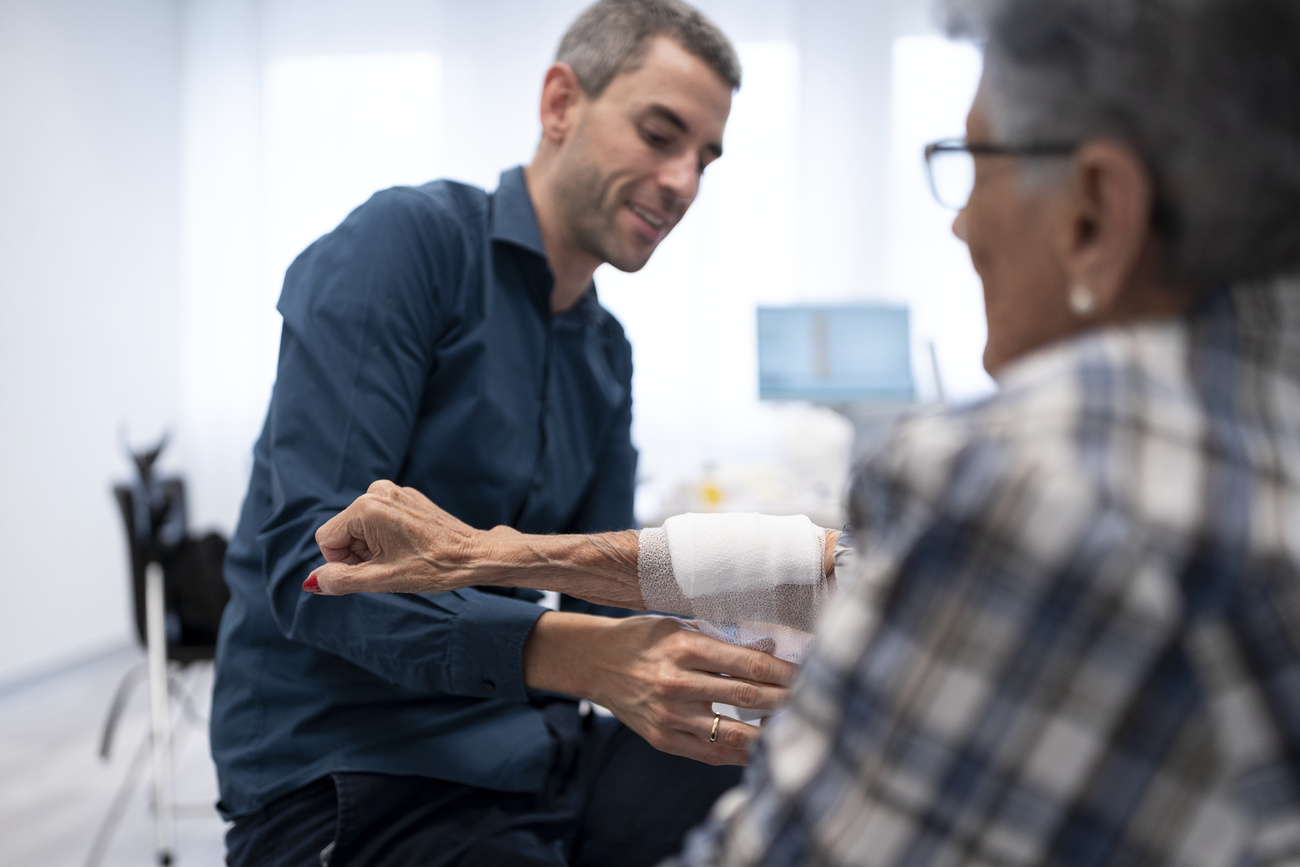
column 717, row 554
column 754, row 580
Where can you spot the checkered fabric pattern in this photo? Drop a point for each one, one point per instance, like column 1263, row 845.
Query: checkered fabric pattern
column 1074, row 633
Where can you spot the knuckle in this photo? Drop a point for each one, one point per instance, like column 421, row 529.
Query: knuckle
column 747, row 695
column 669, row 683
column 689, row 655
column 673, row 641
column 760, row 667
column 735, row 737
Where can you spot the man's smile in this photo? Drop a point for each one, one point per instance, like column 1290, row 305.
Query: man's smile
column 654, row 225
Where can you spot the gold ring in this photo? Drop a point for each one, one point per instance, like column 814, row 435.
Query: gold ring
column 713, row 735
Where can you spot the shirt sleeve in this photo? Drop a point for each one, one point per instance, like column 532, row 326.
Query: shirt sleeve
column 1020, row 696
column 362, row 308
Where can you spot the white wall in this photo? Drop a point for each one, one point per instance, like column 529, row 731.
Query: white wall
column 89, row 272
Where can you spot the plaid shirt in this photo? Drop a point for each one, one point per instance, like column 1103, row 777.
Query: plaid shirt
column 1074, row 637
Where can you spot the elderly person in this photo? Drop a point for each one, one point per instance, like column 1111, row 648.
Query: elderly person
column 1073, row 633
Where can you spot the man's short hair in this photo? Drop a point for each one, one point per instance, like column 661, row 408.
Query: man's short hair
column 612, row 36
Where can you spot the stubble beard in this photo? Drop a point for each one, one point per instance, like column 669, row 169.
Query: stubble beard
column 590, row 211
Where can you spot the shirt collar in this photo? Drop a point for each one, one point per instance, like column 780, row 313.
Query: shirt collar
column 513, row 217
column 515, row 222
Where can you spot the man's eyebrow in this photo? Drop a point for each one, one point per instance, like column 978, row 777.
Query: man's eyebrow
column 675, row 119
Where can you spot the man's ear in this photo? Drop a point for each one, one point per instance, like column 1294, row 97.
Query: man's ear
column 562, row 98
column 1103, row 224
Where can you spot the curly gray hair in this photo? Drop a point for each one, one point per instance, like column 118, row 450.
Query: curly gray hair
column 1206, row 92
column 611, row 37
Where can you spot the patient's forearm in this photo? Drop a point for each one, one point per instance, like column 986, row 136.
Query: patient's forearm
column 395, row 539
column 601, row 568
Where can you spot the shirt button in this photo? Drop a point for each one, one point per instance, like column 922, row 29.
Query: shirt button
column 488, row 686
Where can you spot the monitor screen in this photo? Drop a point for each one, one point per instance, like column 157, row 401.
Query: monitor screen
column 835, row 353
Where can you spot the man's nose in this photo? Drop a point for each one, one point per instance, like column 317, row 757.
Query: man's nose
column 680, row 178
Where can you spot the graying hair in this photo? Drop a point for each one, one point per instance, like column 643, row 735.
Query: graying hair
column 1206, row 92
column 612, row 36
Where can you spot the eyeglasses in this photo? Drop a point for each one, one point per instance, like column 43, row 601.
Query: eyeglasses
column 950, row 163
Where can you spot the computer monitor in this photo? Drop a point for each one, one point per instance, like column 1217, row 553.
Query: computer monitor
column 835, row 354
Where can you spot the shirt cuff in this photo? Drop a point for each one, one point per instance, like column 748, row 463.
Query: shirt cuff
column 488, row 642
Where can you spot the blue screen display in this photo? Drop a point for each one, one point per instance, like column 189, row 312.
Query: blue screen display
column 835, row 354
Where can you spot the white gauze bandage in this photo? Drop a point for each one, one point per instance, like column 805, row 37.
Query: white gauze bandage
column 754, row 580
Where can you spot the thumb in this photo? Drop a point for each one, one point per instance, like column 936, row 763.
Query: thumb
column 340, row 579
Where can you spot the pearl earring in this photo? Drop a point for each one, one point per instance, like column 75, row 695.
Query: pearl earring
column 1082, row 302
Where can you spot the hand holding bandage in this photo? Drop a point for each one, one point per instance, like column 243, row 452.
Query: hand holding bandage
column 759, row 584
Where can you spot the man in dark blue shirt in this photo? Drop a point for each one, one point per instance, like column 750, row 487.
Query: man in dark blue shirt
column 451, row 339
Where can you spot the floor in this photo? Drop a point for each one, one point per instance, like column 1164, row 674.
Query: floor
column 56, row 793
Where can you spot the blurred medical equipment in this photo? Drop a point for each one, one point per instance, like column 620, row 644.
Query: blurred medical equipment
column 855, row 359
column 833, row 379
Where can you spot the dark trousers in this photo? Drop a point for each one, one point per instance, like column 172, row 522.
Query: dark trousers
column 611, row 799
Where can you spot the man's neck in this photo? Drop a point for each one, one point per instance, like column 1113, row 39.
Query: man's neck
column 571, row 268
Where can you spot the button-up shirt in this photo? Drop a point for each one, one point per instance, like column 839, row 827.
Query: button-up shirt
column 418, row 345
column 1074, row 635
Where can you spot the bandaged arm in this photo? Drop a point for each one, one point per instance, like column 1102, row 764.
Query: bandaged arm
column 727, row 569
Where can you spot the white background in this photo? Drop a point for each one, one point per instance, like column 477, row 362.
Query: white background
column 161, row 161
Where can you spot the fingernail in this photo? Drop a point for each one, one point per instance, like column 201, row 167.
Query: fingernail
column 311, row 585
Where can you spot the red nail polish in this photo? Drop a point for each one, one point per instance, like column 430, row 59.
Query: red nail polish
column 311, row 585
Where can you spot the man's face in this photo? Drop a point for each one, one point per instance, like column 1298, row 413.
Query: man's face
column 632, row 166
